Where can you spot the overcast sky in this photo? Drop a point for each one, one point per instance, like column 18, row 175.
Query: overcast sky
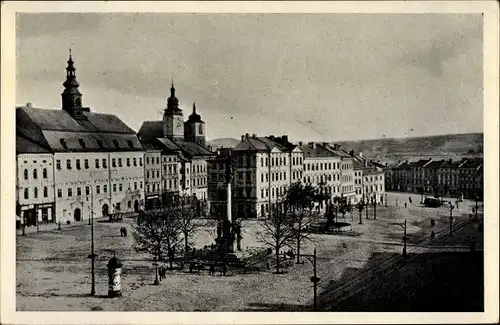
column 312, row 76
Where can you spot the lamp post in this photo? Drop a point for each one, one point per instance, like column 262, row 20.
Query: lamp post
column 155, row 263
column 403, row 226
column 314, row 279
column 92, row 255
column 360, row 209
column 375, row 209
column 451, row 218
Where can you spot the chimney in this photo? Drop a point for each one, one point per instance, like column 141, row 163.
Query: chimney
column 285, row 138
column 243, row 138
column 271, row 137
column 406, row 161
column 364, row 162
column 300, row 143
column 450, row 161
column 351, row 153
column 247, row 135
column 254, row 136
column 325, row 144
column 399, row 161
column 28, row 104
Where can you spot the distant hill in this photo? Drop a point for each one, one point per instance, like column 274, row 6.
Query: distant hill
column 449, row 146
column 223, row 142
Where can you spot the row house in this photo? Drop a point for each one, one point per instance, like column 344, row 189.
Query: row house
column 322, row 168
column 438, row 177
column 369, row 179
column 96, row 164
column 180, row 165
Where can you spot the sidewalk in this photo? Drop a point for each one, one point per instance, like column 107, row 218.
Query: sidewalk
column 55, row 226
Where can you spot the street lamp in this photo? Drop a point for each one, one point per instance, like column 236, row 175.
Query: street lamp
column 92, row 255
column 314, row 279
column 360, row 209
column 402, row 225
column 375, row 209
column 155, row 263
column 451, row 218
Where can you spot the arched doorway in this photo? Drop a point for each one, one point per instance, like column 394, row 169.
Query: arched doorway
column 136, row 206
column 77, row 214
column 105, row 210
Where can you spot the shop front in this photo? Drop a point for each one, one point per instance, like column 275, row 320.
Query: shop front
column 152, row 202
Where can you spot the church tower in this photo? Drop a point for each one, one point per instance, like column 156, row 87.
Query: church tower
column 173, row 121
column 195, row 128
column 71, row 96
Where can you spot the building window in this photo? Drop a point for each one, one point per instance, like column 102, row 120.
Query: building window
column 70, row 192
column 147, row 173
column 97, row 163
column 58, row 164
column 98, row 189
column 114, row 187
column 157, row 160
column 59, row 192
column 140, row 161
column 135, row 161
column 63, row 143
column 44, row 173
column 87, row 190
column 119, row 162
column 135, row 185
column 113, row 162
column 120, row 187
column 129, row 203
column 86, row 163
column 105, row 188
column 128, row 162
column 147, row 160
column 104, row 163
column 26, row 194
column 78, row 191
column 68, row 164
column 25, row 174
column 140, row 183
column 77, row 164
column 45, row 191
column 35, row 193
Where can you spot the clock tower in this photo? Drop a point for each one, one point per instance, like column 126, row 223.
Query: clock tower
column 71, row 96
column 173, row 121
column 195, row 128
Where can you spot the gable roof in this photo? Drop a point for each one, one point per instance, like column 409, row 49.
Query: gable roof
column 59, row 131
column 317, row 152
column 25, row 145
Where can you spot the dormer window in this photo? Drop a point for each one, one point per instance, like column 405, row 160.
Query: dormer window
column 130, row 143
column 115, row 143
column 82, row 143
column 63, row 143
column 100, row 144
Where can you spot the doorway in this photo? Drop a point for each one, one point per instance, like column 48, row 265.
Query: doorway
column 136, row 206
column 78, row 214
column 105, row 210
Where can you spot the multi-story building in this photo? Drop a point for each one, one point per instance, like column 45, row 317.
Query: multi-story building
column 322, row 168
column 470, row 182
column 183, row 160
column 399, row 179
column 34, row 182
column 369, row 179
column 449, row 178
column 417, row 170
column 97, row 160
column 430, row 181
column 217, row 183
column 152, row 178
column 347, row 188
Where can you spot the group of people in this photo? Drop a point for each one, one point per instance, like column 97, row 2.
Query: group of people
column 123, row 232
column 211, row 268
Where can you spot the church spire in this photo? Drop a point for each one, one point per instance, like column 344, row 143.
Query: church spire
column 172, row 101
column 71, row 96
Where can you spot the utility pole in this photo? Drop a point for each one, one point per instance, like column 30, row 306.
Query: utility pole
column 314, row 279
column 92, row 255
column 403, row 226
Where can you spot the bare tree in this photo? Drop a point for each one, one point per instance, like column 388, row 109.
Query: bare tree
column 301, row 199
column 277, row 231
column 187, row 209
column 157, row 232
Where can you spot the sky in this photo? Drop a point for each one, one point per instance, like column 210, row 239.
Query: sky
column 314, row 77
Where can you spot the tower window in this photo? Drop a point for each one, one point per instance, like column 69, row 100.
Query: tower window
column 63, row 143
column 115, row 143
column 82, row 143
column 200, row 129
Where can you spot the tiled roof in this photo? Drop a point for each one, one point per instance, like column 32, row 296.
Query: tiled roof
column 192, row 149
column 420, row 163
column 25, row 145
column 435, row 164
column 473, row 163
column 451, row 164
column 252, row 144
column 57, row 130
column 319, row 151
column 151, row 130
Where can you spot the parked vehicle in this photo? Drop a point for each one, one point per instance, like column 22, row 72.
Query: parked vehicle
column 432, row 202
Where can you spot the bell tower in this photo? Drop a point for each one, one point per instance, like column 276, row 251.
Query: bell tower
column 173, row 121
column 71, row 96
column 195, row 128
